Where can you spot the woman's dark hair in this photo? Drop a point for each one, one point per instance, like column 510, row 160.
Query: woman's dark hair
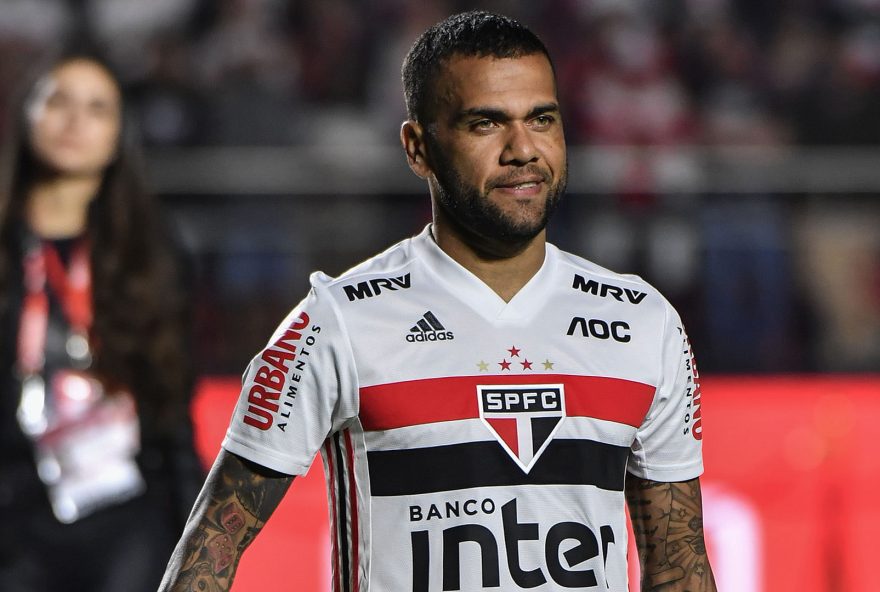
column 470, row 34
column 138, row 332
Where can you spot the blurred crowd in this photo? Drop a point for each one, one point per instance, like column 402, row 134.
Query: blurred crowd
column 766, row 282
column 632, row 72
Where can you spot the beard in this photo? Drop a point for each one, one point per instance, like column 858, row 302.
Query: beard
column 473, row 212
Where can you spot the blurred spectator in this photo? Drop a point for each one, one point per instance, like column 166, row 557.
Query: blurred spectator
column 401, row 21
column 167, row 101
column 126, row 28
column 621, row 88
column 35, row 21
column 25, row 27
column 841, row 105
column 97, row 463
column 333, row 44
column 839, row 270
column 248, row 64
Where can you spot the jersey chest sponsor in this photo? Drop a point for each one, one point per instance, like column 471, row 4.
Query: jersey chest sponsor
column 487, row 542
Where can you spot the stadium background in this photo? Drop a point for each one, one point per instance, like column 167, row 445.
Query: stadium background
column 727, row 151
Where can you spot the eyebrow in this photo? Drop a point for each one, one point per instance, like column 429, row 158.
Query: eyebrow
column 501, row 115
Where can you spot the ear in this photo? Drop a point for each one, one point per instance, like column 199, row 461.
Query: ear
column 412, row 137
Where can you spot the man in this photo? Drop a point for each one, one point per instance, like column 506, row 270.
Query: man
column 477, row 394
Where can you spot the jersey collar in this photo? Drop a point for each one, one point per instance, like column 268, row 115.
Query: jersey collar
column 473, row 292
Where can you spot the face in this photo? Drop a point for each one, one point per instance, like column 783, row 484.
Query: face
column 495, row 152
column 75, row 119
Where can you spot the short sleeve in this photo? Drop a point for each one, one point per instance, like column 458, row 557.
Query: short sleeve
column 668, row 444
column 298, row 390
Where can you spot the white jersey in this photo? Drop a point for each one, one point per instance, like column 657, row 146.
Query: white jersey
column 471, row 443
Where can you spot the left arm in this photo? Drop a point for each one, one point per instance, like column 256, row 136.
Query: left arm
column 667, row 520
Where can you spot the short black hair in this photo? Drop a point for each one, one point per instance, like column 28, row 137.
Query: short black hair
column 470, row 34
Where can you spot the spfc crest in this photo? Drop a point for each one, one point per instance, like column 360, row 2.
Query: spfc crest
column 522, row 417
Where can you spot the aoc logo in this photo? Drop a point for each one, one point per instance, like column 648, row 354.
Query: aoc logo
column 617, row 330
column 523, row 418
column 375, row 286
column 605, row 290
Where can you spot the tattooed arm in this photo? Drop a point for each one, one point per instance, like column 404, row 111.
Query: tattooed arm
column 236, row 501
column 667, row 521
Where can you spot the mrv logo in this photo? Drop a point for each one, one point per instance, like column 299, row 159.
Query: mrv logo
column 605, row 290
column 523, row 418
column 566, row 547
column 375, row 286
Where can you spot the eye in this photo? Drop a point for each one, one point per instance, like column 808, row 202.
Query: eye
column 543, row 120
column 102, row 108
column 57, row 99
column 483, row 125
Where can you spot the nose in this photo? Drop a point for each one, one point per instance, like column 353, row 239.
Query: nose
column 519, row 148
column 75, row 117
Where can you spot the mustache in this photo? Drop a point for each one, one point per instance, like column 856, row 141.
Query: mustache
column 529, row 170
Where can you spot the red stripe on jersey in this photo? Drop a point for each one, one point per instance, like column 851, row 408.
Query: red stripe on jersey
column 430, row 400
column 611, row 399
column 352, row 496
column 334, row 520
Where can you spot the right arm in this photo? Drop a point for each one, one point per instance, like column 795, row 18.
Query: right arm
column 236, row 501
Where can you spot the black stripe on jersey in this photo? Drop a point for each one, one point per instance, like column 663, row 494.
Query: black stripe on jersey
column 341, row 501
column 542, row 427
column 486, row 464
column 435, row 322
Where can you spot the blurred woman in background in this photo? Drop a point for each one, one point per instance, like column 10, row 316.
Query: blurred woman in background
column 97, row 464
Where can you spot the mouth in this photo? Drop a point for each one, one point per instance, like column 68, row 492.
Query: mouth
column 68, row 142
column 521, row 186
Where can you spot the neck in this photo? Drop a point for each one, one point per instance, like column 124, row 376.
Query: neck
column 503, row 268
column 58, row 208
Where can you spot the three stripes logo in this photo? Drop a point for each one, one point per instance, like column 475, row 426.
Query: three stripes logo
column 429, row 328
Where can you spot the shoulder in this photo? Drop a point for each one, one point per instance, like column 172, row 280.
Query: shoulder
column 591, row 278
column 386, row 271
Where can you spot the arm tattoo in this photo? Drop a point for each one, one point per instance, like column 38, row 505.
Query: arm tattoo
column 667, row 521
column 234, row 505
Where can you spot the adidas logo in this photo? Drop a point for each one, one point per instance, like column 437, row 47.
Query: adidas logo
column 429, row 328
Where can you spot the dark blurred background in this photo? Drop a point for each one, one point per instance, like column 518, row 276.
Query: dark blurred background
column 724, row 150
